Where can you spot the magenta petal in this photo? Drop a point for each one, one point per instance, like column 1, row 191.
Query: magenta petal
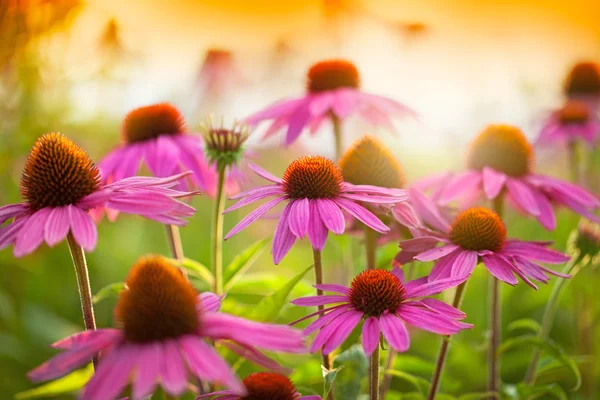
column 406, row 215
column 255, row 356
column 83, row 228
column 112, row 374
column 436, row 253
column 283, row 240
column 344, row 330
column 257, row 194
column 493, row 182
column 465, row 263
column 264, row 173
column 500, row 268
column 298, row 120
column 31, row 235
column 172, row 368
column 419, row 244
column 534, row 251
column 398, row 273
column 442, row 269
column 10, row 232
column 88, row 338
column 275, row 110
column 329, row 287
column 429, row 320
column 330, row 328
column 428, row 211
column 443, row 308
column 395, row 332
column 57, row 225
column 148, row 362
column 420, row 287
column 363, row 215
column 344, row 103
column 253, row 216
column 209, row 302
column 12, row 210
column 459, row 185
column 546, row 217
column 299, row 217
column 523, row 196
column 326, row 319
column 331, row 215
column 319, row 300
column 317, row 231
column 370, row 335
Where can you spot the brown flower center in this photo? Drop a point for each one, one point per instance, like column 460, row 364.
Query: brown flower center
column 269, row 385
column 375, row 291
column 57, row 173
column 158, row 303
column 369, row 162
column 150, row 122
column 503, row 148
column 583, row 80
column 312, row 177
column 331, row 75
column 574, row 113
column 478, row 229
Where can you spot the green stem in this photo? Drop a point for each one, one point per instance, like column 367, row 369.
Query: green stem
column 495, row 314
column 175, row 246
column 217, row 238
column 318, row 281
column 371, row 247
column 83, row 285
column 441, row 359
column 374, row 375
column 572, row 267
column 573, row 161
column 337, row 135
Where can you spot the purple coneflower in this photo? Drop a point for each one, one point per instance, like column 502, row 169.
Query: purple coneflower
column 501, row 161
column 332, row 94
column 583, row 83
column 572, row 122
column 163, row 337
column 60, row 184
column 479, row 234
column 263, row 386
column 315, row 192
column 386, row 303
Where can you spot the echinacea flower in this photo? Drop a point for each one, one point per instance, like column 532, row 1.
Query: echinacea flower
column 316, row 194
column 583, row 83
column 585, row 243
column 262, row 386
column 163, row 337
column 478, row 234
column 157, row 136
column 501, row 161
column 218, row 73
column 572, row 122
column 386, row 303
column 333, row 90
column 60, row 184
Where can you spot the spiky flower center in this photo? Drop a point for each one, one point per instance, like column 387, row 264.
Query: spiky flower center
column 583, row 80
column 574, row 113
column 224, row 146
column 312, row 177
column 503, row 148
column 376, row 291
column 157, row 304
column 587, row 240
column 150, row 122
column 369, row 162
column 269, row 385
column 57, row 173
column 478, row 229
column 331, row 75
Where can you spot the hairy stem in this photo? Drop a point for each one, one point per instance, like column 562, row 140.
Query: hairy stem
column 374, row 375
column 83, row 285
column 371, row 247
column 495, row 315
column 443, row 354
column 217, row 238
column 337, row 135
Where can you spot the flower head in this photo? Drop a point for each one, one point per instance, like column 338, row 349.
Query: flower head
column 152, row 121
column 583, row 81
column 573, row 121
column 585, row 243
column 224, row 147
column 478, row 234
column 332, row 90
column 261, row 386
column 61, row 185
column 163, row 334
column 387, row 303
column 315, row 192
column 501, row 162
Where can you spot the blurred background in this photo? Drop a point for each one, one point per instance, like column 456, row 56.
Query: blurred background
column 78, row 67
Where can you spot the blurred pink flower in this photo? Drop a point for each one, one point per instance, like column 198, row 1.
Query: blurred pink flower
column 61, row 184
column 479, row 234
column 263, row 385
column 165, row 336
column 387, row 303
column 218, row 73
column 572, row 122
column 501, row 161
column 333, row 90
column 583, row 83
column 316, row 194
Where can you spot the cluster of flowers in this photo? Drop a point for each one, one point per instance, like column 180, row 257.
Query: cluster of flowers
column 167, row 333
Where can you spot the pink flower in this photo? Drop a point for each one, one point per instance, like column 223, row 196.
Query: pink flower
column 333, row 89
column 387, row 303
column 157, row 136
column 583, row 83
column 501, row 161
column 478, row 234
column 316, row 194
column 61, row 184
column 574, row 121
column 165, row 338
column 219, row 73
column 263, row 385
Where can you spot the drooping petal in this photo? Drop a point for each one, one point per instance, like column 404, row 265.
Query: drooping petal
column 460, row 184
column 209, row 302
column 319, row 300
column 255, row 356
column 363, row 215
column 429, row 320
column 546, row 217
column 31, row 234
column 12, row 210
column 523, row 196
column 330, row 287
column 327, row 318
column 534, row 251
column 419, row 244
column 428, row 211
column 297, row 121
column 173, row 374
column 395, row 332
column 112, row 374
column 317, row 231
column 421, row 288
column 283, row 240
column 442, row 269
column 263, row 173
column 465, row 263
column 370, row 335
column 443, row 308
column 299, row 217
column 57, row 225
column 253, row 216
column 89, row 338
column 83, row 228
column 255, row 195
column 406, row 215
column 493, row 182
column 500, row 268
column 341, row 334
column 436, row 253
column 148, row 363
column 331, row 215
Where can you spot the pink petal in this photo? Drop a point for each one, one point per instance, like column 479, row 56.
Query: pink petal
column 88, row 338
column 430, row 321
column 172, row 368
column 254, row 356
column 319, row 300
column 83, row 228
column 363, row 215
column 332, row 327
column 418, row 288
column 419, row 244
column 443, row 267
column 523, row 196
column 331, row 215
column 253, row 216
column 493, row 181
column 57, row 225
column 275, row 110
column 344, row 103
column 209, row 302
column 112, row 375
column 547, row 217
column 283, row 240
column 12, row 210
column 10, row 232
column 443, row 308
column 465, row 263
column 406, row 215
column 297, row 121
column 341, row 334
column 264, row 173
column 533, row 251
column 370, row 335
column 299, row 217
column 395, row 332
column 326, row 319
column 148, row 362
column 428, row 211
column 329, row 287
column 500, row 268
column 31, row 235
column 460, row 184
column 317, row 231
column 436, row 253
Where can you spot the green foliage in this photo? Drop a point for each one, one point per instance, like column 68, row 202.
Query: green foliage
column 353, row 366
column 108, row 291
column 195, row 269
column 242, row 262
column 67, row 384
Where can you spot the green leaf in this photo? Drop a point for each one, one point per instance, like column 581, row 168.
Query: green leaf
column 535, row 392
column 422, row 385
column 526, row 324
column 355, row 366
column 268, row 309
column 550, row 347
column 108, row 291
column 67, row 384
column 479, row 396
column 242, row 262
column 328, row 379
column 195, row 269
